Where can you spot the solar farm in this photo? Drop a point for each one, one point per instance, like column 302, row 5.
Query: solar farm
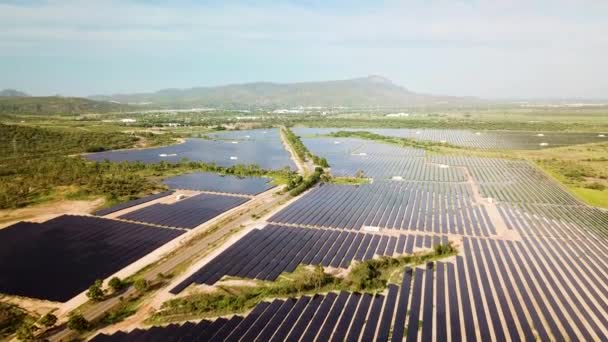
column 531, row 267
column 477, row 139
column 266, row 151
column 530, row 260
column 211, row 182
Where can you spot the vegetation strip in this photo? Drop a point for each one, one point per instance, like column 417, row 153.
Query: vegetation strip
column 370, row 276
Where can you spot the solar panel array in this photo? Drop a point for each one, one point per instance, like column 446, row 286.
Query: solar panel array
column 267, row 153
column 187, row 213
column 60, row 258
column 544, row 278
column 499, row 290
column 330, row 317
column 477, row 139
column 207, row 181
column 265, row 254
column 379, row 161
column 129, row 204
column 440, row 208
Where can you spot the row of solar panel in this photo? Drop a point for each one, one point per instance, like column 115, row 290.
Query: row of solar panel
column 481, row 139
column 331, row 317
column 69, row 253
column 187, row 213
column 268, row 154
column 265, row 254
column 564, row 222
column 385, row 167
column 389, row 205
column 498, row 291
column 129, row 204
column 206, row 181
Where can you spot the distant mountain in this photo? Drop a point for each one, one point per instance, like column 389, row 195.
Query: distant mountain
column 12, row 93
column 371, row 91
column 58, row 105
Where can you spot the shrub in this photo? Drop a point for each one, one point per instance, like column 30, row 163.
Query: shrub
column 26, row 331
column 442, row 249
column 116, row 284
column 77, row 322
column 96, row 291
column 141, row 285
column 93, row 149
column 366, row 275
column 48, row 320
column 11, row 318
column 595, row 186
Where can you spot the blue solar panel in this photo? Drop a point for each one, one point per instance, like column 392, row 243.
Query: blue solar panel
column 206, row 181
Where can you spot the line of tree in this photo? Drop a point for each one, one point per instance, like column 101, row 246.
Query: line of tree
column 301, row 150
column 307, row 182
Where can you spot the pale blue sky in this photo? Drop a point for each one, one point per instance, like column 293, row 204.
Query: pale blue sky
column 496, row 48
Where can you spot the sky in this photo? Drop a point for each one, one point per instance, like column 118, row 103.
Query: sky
column 490, row 49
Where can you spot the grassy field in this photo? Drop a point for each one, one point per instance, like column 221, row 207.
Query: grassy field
column 583, row 169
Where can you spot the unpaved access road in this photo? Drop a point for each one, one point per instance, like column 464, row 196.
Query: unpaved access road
column 187, row 253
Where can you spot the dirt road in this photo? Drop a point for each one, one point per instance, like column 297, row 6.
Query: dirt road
column 190, row 252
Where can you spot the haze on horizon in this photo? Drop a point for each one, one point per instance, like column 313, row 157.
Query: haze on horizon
column 497, row 49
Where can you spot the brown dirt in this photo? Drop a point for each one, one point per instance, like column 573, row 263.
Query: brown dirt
column 35, row 306
column 47, row 211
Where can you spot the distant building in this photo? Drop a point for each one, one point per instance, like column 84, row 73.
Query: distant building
column 128, row 121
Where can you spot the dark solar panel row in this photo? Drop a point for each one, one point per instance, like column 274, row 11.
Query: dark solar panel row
column 469, row 138
column 439, row 208
column 265, row 254
column 70, row 253
column 336, row 317
column 187, row 213
column 207, row 181
column 132, row 203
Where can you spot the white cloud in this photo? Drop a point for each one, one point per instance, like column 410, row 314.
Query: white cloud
column 562, row 41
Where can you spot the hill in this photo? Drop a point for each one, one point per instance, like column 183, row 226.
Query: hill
column 371, row 91
column 58, row 105
column 12, row 93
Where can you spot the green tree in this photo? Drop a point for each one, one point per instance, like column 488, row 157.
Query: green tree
column 96, row 291
column 116, row 284
column 77, row 322
column 48, row 320
column 141, row 285
column 26, row 331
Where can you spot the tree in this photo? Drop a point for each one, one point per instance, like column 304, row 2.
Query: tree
column 77, row 322
column 116, row 284
column 96, row 291
column 141, row 285
column 48, row 320
column 26, row 331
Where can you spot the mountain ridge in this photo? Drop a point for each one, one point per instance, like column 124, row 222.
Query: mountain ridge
column 12, row 93
column 370, row 91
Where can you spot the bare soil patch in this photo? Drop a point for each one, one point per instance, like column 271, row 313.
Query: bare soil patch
column 47, row 211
